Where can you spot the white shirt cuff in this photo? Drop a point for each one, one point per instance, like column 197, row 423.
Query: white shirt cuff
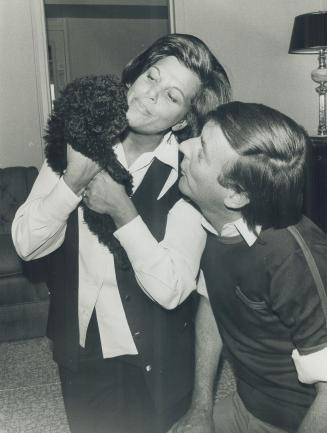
column 311, row 368
column 201, row 287
column 137, row 240
column 61, row 201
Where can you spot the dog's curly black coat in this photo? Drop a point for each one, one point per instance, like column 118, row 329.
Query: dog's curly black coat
column 90, row 115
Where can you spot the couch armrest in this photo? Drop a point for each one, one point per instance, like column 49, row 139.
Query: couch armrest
column 15, row 185
column 10, row 263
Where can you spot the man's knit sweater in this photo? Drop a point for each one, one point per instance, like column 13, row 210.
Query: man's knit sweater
column 266, row 304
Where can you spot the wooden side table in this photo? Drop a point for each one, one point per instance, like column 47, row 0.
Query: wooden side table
column 315, row 196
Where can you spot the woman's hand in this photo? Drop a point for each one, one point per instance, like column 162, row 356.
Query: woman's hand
column 106, row 196
column 80, row 170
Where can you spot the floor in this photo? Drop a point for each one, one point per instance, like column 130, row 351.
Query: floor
column 30, row 393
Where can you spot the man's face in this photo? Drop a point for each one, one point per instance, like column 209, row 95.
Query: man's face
column 203, row 162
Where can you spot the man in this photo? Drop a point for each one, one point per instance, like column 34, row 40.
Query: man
column 265, row 269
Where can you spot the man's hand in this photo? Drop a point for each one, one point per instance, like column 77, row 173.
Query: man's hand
column 194, row 421
column 80, row 170
column 106, row 196
column 315, row 420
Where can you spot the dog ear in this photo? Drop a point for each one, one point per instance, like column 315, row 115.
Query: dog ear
column 180, row 125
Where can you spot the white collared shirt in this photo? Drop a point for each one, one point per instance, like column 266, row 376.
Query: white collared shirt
column 235, row 228
column 166, row 271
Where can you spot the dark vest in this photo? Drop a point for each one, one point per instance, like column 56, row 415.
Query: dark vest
column 164, row 338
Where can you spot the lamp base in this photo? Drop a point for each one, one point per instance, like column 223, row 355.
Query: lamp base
column 322, row 90
column 319, row 75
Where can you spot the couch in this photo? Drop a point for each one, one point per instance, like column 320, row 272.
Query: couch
column 24, row 296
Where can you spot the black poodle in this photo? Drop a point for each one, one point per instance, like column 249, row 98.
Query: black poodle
column 90, row 115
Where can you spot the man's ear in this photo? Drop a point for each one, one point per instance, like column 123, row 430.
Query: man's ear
column 236, row 200
column 180, row 125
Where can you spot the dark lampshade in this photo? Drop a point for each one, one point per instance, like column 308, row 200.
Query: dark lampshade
column 309, row 33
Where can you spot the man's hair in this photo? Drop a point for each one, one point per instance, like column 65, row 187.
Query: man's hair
column 194, row 54
column 271, row 165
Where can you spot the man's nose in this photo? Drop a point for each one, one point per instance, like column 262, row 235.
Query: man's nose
column 186, row 146
column 182, row 147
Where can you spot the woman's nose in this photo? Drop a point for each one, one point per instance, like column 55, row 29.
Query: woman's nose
column 152, row 92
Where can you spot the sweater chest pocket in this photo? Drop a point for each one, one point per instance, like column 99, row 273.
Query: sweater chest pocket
column 253, row 305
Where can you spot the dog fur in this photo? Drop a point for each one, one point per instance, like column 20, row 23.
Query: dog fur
column 90, row 115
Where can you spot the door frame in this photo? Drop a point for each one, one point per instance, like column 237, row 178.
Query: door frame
column 37, row 9
column 41, row 62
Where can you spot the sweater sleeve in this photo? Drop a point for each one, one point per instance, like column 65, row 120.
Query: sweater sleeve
column 302, row 306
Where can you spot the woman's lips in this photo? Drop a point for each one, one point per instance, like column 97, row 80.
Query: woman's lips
column 141, row 107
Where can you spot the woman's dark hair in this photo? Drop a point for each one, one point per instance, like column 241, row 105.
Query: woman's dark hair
column 271, row 166
column 196, row 56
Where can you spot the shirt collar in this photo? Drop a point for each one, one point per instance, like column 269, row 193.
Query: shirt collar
column 235, row 228
column 166, row 152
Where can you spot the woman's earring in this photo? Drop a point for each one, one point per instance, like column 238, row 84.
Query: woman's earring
column 180, row 125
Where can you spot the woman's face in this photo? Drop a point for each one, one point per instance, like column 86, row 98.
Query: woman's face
column 161, row 97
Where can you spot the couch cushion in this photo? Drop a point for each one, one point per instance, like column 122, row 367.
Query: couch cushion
column 25, row 320
column 10, row 263
column 18, row 290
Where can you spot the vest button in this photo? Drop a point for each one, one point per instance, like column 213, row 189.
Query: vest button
column 148, row 368
column 137, row 334
column 127, row 298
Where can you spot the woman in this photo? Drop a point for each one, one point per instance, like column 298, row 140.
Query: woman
column 124, row 361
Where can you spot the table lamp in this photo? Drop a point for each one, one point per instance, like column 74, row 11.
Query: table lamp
column 309, row 36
